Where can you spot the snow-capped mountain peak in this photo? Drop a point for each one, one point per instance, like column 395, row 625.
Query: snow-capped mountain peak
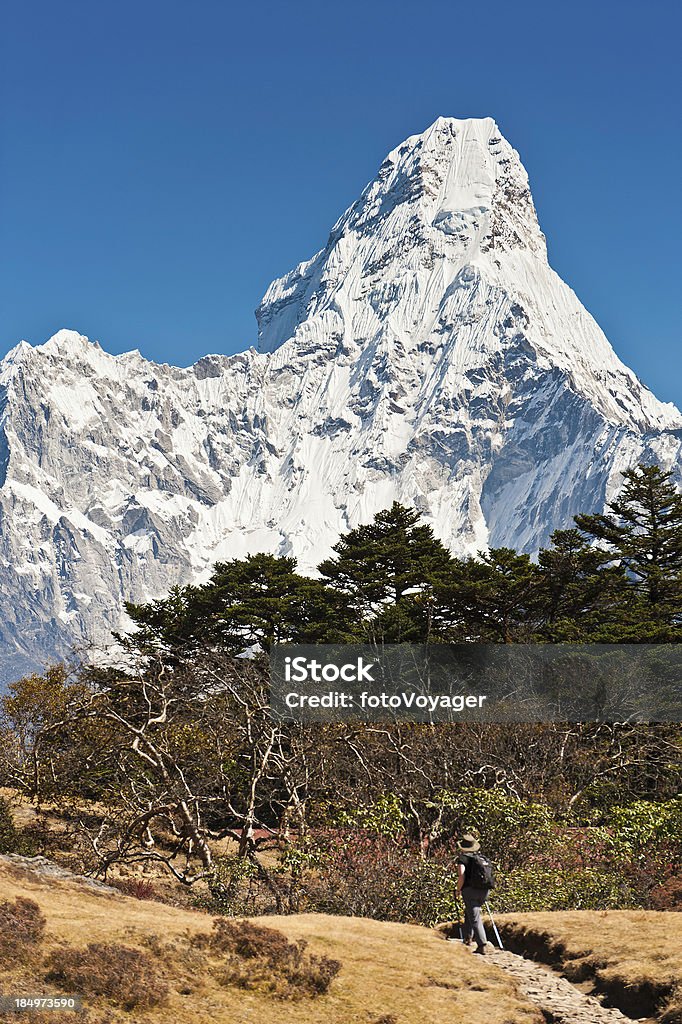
column 442, row 201
column 444, row 245
column 427, row 354
column 462, row 178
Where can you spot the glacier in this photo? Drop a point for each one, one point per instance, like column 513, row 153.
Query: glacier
column 427, row 354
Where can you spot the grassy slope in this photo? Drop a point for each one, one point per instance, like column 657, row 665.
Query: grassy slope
column 388, row 969
column 635, row 956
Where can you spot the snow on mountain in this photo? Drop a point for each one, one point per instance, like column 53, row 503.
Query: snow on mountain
column 427, row 354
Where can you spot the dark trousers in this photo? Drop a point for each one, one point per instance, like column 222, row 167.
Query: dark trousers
column 473, row 900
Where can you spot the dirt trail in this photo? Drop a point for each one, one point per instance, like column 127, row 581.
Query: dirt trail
column 559, row 1001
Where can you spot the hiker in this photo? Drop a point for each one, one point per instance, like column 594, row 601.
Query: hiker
column 475, row 879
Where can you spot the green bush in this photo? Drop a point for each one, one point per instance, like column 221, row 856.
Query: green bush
column 384, row 816
column 235, row 888
column 545, row 861
column 644, row 823
column 504, row 823
column 540, row 888
column 9, row 837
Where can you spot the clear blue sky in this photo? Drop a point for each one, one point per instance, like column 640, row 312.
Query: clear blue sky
column 162, row 161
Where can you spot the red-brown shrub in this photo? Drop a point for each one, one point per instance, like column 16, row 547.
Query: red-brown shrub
column 124, row 975
column 667, row 896
column 263, row 959
column 138, row 888
column 22, row 926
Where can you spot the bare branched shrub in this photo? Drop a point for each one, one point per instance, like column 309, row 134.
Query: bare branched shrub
column 122, row 974
column 667, row 896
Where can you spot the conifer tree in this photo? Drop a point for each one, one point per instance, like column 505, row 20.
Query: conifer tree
column 581, row 589
column 385, row 562
column 642, row 529
column 493, row 598
column 256, row 601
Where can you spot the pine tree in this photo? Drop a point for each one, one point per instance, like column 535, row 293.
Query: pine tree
column 256, row 601
column 581, row 589
column 493, row 598
column 642, row 530
column 389, row 561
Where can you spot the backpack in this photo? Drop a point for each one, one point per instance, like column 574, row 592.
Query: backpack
column 482, row 871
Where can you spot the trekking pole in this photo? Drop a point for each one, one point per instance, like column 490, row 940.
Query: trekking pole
column 492, row 921
column 459, row 921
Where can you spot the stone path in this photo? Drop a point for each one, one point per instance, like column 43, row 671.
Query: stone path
column 559, row 1001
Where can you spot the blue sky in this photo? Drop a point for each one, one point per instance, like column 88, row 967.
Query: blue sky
column 161, row 162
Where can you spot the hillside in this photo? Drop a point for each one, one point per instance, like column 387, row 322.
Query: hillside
column 389, row 972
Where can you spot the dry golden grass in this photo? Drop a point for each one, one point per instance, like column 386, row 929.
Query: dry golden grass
column 402, row 971
column 633, row 955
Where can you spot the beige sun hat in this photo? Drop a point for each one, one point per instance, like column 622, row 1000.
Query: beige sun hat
column 468, row 844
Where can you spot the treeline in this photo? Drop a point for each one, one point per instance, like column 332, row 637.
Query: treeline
column 173, row 753
column 615, row 577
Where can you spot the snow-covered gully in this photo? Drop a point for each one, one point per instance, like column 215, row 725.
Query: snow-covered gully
column 559, row 1001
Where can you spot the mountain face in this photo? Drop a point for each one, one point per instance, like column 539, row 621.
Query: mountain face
column 428, row 354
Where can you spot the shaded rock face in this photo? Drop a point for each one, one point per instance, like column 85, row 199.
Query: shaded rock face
column 428, row 354
column 40, row 869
